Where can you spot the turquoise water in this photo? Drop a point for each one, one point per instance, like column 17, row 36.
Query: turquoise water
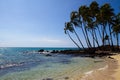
column 28, row 64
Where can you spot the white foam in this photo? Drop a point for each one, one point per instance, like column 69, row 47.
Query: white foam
column 9, row 65
column 89, row 72
column 103, row 68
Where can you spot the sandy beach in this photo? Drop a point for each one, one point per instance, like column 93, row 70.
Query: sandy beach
column 110, row 72
column 117, row 73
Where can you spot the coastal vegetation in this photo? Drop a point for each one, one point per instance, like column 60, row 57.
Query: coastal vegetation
column 97, row 25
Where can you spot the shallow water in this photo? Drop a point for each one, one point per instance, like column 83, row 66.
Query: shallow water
column 26, row 64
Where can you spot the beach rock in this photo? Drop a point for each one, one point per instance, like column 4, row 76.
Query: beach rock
column 41, row 50
column 48, row 55
column 55, row 51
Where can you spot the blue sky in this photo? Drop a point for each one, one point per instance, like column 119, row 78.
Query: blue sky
column 38, row 23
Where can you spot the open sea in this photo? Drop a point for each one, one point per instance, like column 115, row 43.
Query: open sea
column 27, row 64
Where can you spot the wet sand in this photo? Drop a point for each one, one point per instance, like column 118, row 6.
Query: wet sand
column 111, row 71
column 117, row 73
column 105, row 73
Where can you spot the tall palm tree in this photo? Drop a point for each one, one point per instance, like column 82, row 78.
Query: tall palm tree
column 83, row 13
column 110, row 14
column 94, row 10
column 94, row 19
column 116, row 28
column 75, row 21
column 104, row 17
column 67, row 29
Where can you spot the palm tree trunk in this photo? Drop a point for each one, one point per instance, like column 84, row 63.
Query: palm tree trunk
column 87, row 35
column 73, row 40
column 93, row 38
column 87, row 38
column 108, row 36
column 118, row 42
column 96, row 39
column 79, row 39
column 99, row 32
column 117, row 38
column 103, row 35
column 110, row 32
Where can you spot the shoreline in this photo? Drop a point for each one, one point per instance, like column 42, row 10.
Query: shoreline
column 116, row 75
column 104, row 73
column 110, row 71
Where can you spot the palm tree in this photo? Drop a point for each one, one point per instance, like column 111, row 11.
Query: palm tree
column 109, row 17
column 75, row 21
column 94, row 10
column 67, row 29
column 83, row 13
column 93, row 20
column 116, row 28
column 105, row 17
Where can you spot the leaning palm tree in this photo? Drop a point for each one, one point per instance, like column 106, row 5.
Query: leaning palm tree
column 83, row 13
column 104, row 17
column 94, row 20
column 94, row 10
column 68, row 28
column 75, row 21
column 116, row 28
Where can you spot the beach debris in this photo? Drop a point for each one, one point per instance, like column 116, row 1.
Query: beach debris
column 110, row 57
column 66, row 77
column 98, row 61
column 41, row 50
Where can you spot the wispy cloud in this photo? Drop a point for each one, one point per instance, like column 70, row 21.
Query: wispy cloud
column 36, row 42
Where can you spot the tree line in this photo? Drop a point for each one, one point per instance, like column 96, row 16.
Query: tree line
column 99, row 25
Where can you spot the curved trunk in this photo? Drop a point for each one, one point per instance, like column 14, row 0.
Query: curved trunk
column 117, row 38
column 96, row 39
column 93, row 38
column 103, row 35
column 99, row 32
column 87, row 35
column 73, row 40
column 108, row 37
column 88, row 38
column 110, row 32
column 79, row 39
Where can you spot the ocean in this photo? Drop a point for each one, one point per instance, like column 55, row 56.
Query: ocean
column 26, row 63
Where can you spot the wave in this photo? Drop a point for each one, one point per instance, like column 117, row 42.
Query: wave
column 11, row 65
column 89, row 72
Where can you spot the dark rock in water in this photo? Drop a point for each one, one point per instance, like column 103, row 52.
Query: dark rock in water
column 55, row 51
column 48, row 79
column 48, row 55
column 41, row 50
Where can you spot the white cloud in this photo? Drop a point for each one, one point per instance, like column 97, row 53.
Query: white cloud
column 37, row 42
